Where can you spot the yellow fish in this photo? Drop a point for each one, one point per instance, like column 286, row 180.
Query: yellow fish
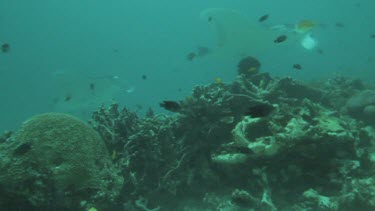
column 218, row 80
column 304, row 26
column 253, row 70
column 189, row 99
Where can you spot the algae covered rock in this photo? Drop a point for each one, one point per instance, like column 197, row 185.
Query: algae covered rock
column 56, row 160
column 359, row 101
column 362, row 105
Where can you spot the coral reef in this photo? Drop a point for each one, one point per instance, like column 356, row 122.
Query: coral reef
column 149, row 155
column 362, row 105
column 258, row 143
column 55, row 161
column 114, row 125
column 5, row 136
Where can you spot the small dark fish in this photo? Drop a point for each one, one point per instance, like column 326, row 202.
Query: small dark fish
column 139, row 107
column 202, row 51
column 171, row 106
column 179, row 90
column 5, row 48
column 261, row 110
column 263, row 18
column 144, row 77
column 191, row 56
column 67, row 98
column 297, row 66
column 320, row 51
column 209, row 19
column 92, row 86
column 248, row 66
column 372, row 35
column 339, row 25
column 280, row 39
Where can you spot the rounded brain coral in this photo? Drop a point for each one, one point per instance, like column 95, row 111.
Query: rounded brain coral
column 55, row 153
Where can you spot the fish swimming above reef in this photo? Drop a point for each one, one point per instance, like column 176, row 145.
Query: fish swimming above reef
column 260, row 110
column 263, row 18
column 191, row 56
column 280, row 39
column 297, row 66
column 304, row 26
column 172, row 106
column 115, row 80
column 339, row 25
column 200, row 52
column 301, row 27
column 218, row 80
column 303, row 30
column 5, row 48
column 248, row 66
column 68, row 97
column 92, row 86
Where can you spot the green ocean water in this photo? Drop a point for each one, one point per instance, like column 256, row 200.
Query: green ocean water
column 296, row 134
column 132, row 38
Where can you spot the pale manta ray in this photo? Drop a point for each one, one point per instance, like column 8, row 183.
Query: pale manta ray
column 80, row 93
column 237, row 35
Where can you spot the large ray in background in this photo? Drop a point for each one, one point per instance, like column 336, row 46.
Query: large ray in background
column 81, row 93
column 237, row 35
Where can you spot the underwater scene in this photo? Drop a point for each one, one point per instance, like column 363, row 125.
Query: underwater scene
column 215, row 105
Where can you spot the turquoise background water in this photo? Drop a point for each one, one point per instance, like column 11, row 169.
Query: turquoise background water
column 131, row 38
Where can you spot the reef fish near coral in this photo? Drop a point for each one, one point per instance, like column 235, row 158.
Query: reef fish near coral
column 260, row 110
column 5, row 48
column 171, row 105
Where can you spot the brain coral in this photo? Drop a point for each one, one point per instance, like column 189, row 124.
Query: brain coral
column 57, row 158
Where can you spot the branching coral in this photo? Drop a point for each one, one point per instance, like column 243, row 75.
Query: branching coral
column 114, row 125
column 302, row 154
